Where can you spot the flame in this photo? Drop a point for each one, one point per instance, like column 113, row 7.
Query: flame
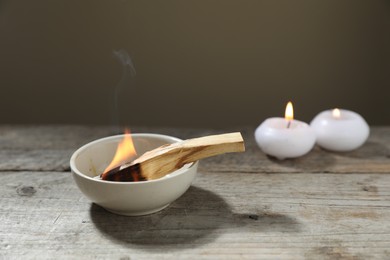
column 336, row 113
column 124, row 153
column 289, row 114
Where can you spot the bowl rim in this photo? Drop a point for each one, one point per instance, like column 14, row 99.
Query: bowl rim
column 76, row 171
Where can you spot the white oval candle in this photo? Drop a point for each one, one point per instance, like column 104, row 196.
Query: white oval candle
column 340, row 130
column 285, row 137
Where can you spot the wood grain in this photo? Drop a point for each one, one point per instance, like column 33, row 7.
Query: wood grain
column 223, row 215
column 48, row 148
column 242, row 206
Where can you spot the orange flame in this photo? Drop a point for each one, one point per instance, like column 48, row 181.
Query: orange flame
column 124, row 153
column 289, row 114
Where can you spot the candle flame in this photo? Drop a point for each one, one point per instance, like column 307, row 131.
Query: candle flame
column 125, row 152
column 289, row 114
column 336, row 113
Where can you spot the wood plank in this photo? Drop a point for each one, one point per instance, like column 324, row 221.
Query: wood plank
column 48, row 148
column 43, row 148
column 373, row 156
column 223, row 215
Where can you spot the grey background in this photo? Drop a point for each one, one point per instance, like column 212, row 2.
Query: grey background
column 198, row 63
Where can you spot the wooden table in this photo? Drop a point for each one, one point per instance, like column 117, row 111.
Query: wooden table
column 241, row 206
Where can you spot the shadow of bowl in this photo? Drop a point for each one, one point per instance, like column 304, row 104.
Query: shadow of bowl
column 188, row 221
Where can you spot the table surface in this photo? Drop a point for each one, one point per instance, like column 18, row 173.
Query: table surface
column 324, row 205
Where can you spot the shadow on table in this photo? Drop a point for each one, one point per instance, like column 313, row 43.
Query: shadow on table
column 322, row 160
column 195, row 219
column 317, row 160
column 369, row 150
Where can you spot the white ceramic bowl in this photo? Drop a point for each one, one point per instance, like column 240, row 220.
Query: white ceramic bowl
column 128, row 198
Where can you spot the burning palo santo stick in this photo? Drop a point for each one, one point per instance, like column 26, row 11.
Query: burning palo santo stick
column 170, row 157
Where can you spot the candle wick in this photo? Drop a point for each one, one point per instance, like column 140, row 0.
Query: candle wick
column 288, row 123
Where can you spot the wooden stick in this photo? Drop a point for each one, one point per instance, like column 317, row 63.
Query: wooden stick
column 170, row 157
